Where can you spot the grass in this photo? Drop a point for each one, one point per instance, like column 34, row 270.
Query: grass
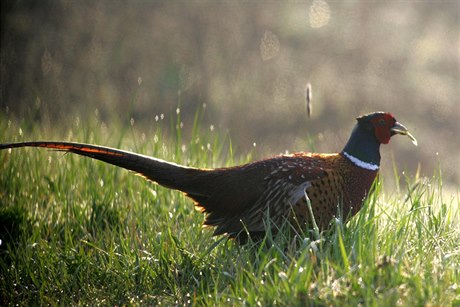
column 77, row 231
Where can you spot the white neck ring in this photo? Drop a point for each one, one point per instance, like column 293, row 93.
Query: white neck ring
column 359, row 163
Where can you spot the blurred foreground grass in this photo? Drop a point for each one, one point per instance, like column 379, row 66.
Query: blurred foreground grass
column 77, row 231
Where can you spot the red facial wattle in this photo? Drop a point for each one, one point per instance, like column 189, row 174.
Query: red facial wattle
column 383, row 134
column 382, row 126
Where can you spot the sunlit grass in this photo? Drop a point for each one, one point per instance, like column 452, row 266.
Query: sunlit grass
column 75, row 230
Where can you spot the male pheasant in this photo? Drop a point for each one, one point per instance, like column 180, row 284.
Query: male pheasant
column 239, row 201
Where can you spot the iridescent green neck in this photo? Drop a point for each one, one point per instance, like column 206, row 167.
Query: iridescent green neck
column 363, row 149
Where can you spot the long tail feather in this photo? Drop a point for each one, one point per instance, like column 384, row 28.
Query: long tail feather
column 162, row 172
column 215, row 191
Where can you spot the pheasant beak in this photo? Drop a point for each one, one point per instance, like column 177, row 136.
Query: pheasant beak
column 399, row 128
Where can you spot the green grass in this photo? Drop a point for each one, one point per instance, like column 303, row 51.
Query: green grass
column 78, row 231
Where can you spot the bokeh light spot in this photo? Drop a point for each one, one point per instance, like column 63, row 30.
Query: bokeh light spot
column 319, row 14
column 269, row 46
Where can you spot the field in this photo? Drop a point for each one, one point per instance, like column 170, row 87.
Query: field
column 77, row 231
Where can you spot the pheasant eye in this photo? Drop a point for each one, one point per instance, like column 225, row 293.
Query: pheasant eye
column 381, row 122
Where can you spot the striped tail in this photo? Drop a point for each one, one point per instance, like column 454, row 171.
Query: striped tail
column 165, row 173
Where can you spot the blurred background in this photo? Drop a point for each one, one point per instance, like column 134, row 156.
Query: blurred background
column 247, row 62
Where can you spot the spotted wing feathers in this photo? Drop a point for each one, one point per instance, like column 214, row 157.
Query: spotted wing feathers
column 285, row 181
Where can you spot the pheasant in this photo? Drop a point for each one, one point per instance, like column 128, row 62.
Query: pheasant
column 300, row 188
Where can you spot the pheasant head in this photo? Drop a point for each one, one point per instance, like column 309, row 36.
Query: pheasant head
column 372, row 130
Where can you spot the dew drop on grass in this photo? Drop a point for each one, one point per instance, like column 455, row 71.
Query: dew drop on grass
column 313, row 247
column 283, row 275
column 338, row 221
